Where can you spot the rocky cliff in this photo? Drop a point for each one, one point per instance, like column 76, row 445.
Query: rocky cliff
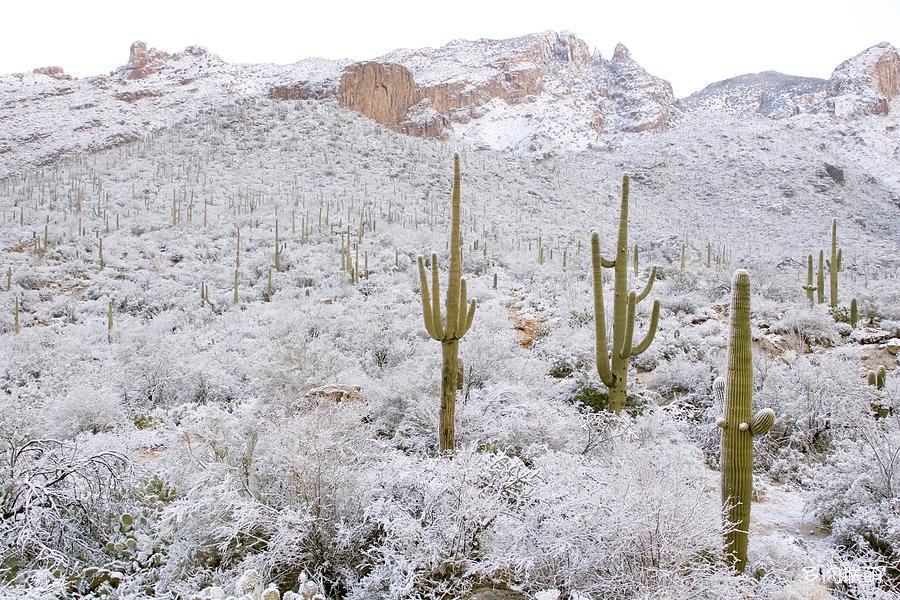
column 429, row 91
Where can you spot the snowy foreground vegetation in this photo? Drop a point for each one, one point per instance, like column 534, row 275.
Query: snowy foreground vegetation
column 163, row 440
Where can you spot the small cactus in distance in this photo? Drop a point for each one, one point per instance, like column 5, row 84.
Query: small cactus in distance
column 877, row 377
column 612, row 363
column 854, row 313
column 739, row 427
column 450, row 329
column 834, row 264
column 820, row 279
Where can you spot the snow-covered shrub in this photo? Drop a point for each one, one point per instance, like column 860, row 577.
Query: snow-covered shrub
column 814, row 398
column 277, row 494
column 681, row 376
column 809, row 327
column 54, row 500
column 637, row 520
column 437, row 515
column 857, row 493
column 84, row 408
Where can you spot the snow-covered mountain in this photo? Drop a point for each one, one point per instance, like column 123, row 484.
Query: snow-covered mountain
column 535, row 95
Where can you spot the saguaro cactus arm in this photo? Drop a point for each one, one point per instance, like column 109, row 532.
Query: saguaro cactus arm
column 602, row 354
column 651, row 331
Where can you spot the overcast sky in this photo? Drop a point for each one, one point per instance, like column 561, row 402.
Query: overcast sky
column 691, row 43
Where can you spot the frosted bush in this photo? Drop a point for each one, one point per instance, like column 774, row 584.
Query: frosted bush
column 84, row 409
column 809, row 327
column 681, row 375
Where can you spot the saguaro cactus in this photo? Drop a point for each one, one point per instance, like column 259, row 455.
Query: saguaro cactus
column 459, row 314
column 738, row 428
column 820, row 279
column 810, row 287
column 834, row 265
column 612, row 364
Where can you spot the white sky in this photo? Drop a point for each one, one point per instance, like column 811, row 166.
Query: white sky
column 691, row 43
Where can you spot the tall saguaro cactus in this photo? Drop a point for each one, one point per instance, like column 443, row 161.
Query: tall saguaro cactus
column 612, row 363
column 738, row 427
column 834, row 265
column 459, row 314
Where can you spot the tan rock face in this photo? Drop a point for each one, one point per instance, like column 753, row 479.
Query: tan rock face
column 383, row 92
column 425, row 92
column 388, row 93
column 143, row 62
column 886, row 74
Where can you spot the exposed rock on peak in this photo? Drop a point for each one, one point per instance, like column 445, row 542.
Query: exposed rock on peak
column 621, row 52
column 381, row 91
column 54, row 72
column 142, row 62
column 431, row 91
column 864, row 84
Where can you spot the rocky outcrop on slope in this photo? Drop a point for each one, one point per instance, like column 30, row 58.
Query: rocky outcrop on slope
column 864, row 84
column 643, row 102
column 436, row 92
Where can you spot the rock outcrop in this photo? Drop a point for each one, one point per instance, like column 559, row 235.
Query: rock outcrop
column 383, row 92
column 864, row 84
column 143, row 62
column 430, row 92
column 54, row 72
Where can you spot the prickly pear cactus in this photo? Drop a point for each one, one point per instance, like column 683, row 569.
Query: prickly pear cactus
column 739, row 426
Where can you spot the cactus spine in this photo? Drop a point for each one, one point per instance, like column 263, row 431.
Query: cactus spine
column 834, row 265
column 738, row 427
column 612, row 364
column 458, row 318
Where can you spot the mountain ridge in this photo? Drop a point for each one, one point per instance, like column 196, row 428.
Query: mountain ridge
column 535, row 95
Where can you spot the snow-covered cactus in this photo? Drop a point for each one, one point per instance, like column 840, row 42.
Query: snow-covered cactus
column 237, row 265
column 249, row 583
column 306, row 590
column 820, row 279
column 612, row 364
column 877, row 377
column 277, row 248
column 459, row 317
column 810, row 286
column 834, row 265
column 738, row 426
